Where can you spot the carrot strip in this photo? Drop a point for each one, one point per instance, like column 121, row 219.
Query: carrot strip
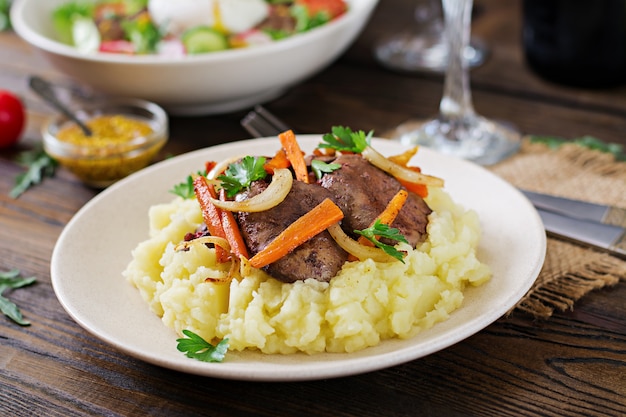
column 387, row 216
column 232, row 231
column 209, row 165
column 295, row 155
column 419, row 189
column 278, row 161
column 310, row 224
column 210, row 214
column 404, row 158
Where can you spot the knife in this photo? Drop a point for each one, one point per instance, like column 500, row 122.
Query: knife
column 605, row 237
column 578, row 209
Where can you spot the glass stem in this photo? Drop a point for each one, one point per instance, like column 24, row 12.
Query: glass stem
column 456, row 103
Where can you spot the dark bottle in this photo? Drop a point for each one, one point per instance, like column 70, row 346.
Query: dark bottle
column 576, row 42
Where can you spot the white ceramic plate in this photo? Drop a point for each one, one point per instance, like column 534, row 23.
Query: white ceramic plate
column 95, row 247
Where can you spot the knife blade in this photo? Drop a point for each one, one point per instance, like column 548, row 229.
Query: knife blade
column 578, row 209
column 605, row 237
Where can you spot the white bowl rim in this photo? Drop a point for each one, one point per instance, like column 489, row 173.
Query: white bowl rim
column 358, row 8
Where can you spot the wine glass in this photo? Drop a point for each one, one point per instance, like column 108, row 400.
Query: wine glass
column 423, row 47
column 458, row 130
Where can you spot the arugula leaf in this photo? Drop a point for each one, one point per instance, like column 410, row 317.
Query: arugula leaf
column 185, row 189
column 320, row 167
column 196, row 347
column 384, row 231
column 11, row 280
column 143, row 34
column 63, row 18
column 240, row 175
column 40, row 165
column 304, row 21
column 344, row 139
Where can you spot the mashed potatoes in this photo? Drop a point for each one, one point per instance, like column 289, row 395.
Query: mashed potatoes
column 365, row 303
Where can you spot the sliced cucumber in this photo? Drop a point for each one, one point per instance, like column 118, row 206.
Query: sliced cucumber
column 203, row 39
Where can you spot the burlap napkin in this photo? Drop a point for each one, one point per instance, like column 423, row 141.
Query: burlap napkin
column 570, row 271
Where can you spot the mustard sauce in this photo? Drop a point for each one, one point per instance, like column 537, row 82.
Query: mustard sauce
column 106, row 130
column 119, row 145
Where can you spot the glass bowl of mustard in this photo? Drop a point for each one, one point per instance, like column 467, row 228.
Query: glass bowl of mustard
column 126, row 135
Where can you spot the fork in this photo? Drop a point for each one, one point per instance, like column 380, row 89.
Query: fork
column 260, row 122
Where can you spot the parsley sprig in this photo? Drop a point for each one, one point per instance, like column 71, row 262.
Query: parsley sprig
column 185, row 188
column 196, row 347
column 240, row 175
column 39, row 164
column 11, row 280
column 381, row 230
column 320, row 167
column 344, row 139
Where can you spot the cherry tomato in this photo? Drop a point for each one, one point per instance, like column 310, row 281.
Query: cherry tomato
column 334, row 8
column 12, row 118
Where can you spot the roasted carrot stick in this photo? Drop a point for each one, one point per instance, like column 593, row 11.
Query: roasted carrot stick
column 232, row 231
column 310, row 224
column 278, row 161
column 419, row 189
column 387, row 216
column 295, row 155
column 210, row 214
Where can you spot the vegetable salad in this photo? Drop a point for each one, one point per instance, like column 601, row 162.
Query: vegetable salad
column 186, row 27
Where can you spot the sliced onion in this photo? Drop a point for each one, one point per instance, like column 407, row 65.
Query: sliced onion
column 353, row 247
column 272, row 196
column 220, row 167
column 216, row 240
column 398, row 171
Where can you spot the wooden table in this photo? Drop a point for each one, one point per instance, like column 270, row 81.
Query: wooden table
column 572, row 364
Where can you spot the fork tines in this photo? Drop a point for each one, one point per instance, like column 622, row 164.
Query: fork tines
column 261, row 123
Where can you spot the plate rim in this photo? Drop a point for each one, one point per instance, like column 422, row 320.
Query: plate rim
column 355, row 363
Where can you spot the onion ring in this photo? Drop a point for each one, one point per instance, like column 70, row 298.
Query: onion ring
column 353, row 247
column 216, row 240
column 272, row 196
column 398, row 171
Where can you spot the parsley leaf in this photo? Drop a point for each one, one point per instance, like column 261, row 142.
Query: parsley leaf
column 185, row 189
column 196, row 347
column 11, row 280
column 344, row 139
column 40, row 165
column 320, row 167
column 240, row 175
column 385, row 231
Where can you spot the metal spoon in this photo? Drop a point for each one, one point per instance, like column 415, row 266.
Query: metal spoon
column 44, row 89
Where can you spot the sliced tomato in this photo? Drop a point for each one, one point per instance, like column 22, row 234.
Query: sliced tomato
column 334, row 8
column 118, row 47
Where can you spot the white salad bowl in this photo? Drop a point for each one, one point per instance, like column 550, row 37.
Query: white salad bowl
column 211, row 83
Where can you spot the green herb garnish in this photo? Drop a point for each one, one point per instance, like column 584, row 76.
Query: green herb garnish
column 5, row 15
column 320, row 167
column 40, row 165
column 587, row 141
column 196, row 347
column 11, row 280
column 344, row 139
column 185, row 189
column 381, row 230
column 240, row 175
